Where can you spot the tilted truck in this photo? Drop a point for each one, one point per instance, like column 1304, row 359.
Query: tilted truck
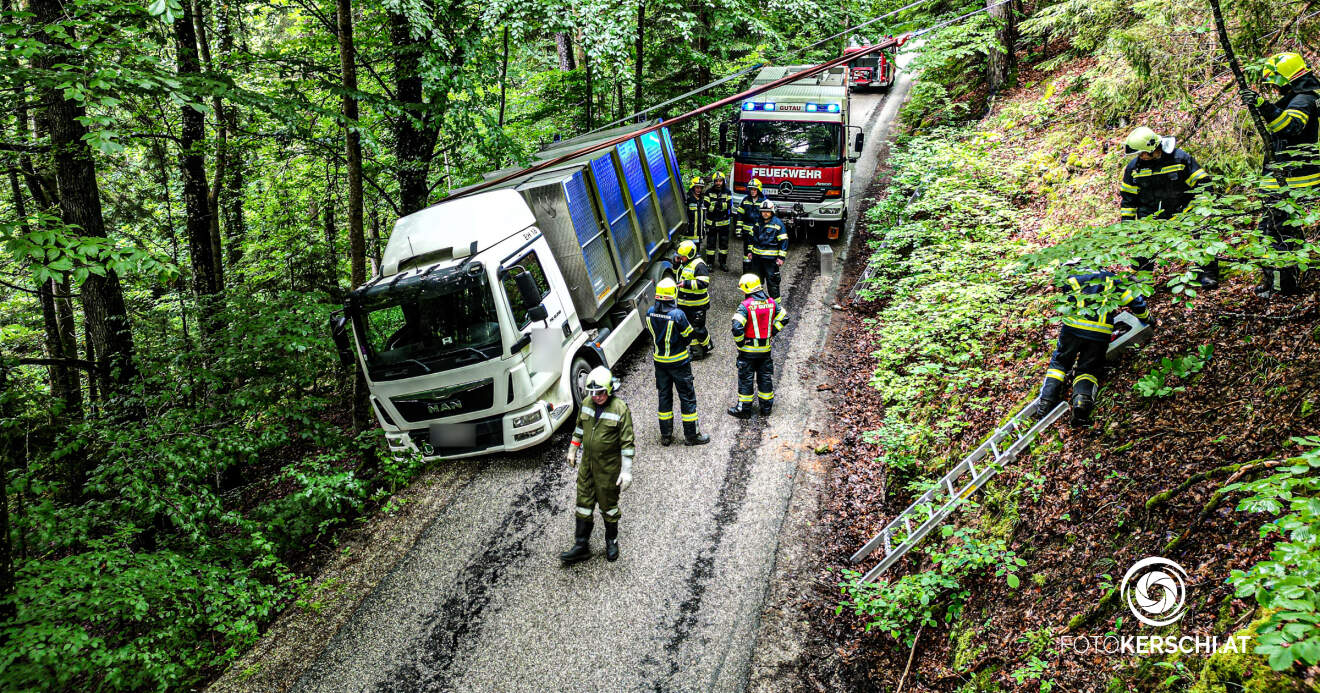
column 490, row 309
column 797, row 141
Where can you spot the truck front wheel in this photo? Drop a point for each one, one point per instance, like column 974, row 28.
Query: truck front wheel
column 577, row 379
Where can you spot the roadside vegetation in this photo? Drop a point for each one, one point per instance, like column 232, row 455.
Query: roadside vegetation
column 1205, row 448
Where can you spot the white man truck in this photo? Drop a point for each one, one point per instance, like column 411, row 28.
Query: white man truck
column 490, row 310
column 797, row 141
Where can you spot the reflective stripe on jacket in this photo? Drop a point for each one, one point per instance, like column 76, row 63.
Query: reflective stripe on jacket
column 769, row 239
column 756, row 321
column 694, row 283
column 670, row 333
column 1086, row 290
column 1160, row 188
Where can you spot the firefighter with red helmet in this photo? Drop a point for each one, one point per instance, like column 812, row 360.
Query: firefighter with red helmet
column 719, row 218
column 767, row 248
column 755, row 323
column 698, row 210
column 748, row 209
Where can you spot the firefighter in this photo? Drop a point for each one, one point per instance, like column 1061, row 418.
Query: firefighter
column 1158, row 183
column 1083, row 343
column 755, row 323
column 749, row 209
column 698, row 209
column 670, row 335
column 694, row 294
column 767, row 247
column 603, row 443
column 1292, row 122
column 720, row 217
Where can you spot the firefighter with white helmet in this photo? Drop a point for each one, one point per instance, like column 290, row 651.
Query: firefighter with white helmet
column 694, row 293
column 767, row 247
column 1292, row 122
column 755, row 323
column 749, row 209
column 1159, row 182
column 720, row 216
column 603, row 451
column 698, row 210
column 671, row 334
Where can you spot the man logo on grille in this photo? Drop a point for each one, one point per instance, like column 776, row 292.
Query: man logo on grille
column 1155, row 591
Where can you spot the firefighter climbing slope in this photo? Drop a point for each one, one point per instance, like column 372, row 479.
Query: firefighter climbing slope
column 1158, row 183
column 1083, row 340
column 694, row 294
column 719, row 217
column 603, row 451
column 755, row 323
column 1292, row 123
column 671, row 334
column 767, row 247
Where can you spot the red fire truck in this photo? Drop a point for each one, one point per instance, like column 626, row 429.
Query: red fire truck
column 797, row 141
column 874, row 70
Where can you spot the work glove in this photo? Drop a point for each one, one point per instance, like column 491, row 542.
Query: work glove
column 574, row 452
column 625, row 475
column 748, row 258
column 1252, row 99
column 779, row 262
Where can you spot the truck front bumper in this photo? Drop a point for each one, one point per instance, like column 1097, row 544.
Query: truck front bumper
column 514, row 430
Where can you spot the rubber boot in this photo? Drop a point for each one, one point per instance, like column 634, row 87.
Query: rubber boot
column 767, row 407
column 611, row 541
column 1044, row 407
column 581, row 550
column 694, row 436
column 1082, row 404
column 1208, row 275
column 1050, row 395
column 698, row 352
column 741, row 410
column 666, row 439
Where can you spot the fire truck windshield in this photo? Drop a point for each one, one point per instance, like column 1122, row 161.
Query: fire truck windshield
column 789, row 141
column 872, row 61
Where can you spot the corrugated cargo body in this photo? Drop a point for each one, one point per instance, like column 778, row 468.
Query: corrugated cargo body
column 608, row 214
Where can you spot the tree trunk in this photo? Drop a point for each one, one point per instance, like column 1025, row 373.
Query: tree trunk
column 68, row 338
column 221, row 144
column 504, row 75
column 375, row 237
column 7, row 446
column 414, row 136
column 357, row 246
column 591, row 92
column 192, row 166
column 107, row 320
column 1000, row 65
column 231, row 202
column 564, row 46
column 639, row 50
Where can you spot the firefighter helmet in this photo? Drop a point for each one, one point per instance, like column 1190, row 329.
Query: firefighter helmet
column 666, row 290
column 766, row 206
column 600, row 380
column 1282, row 68
column 1143, row 139
column 686, row 250
column 754, row 183
column 697, row 182
column 749, row 283
column 717, row 177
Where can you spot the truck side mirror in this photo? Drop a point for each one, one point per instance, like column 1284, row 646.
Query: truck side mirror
column 538, row 313
column 725, row 150
column 527, row 289
column 339, row 333
column 858, row 141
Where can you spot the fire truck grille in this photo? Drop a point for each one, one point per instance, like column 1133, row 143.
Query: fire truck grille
column 798, row 195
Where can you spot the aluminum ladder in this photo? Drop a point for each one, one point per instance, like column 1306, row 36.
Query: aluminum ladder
column 1003, row 446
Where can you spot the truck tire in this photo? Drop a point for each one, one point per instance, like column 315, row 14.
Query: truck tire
column 577, row 380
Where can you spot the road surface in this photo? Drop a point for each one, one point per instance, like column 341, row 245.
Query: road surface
column 481, row 602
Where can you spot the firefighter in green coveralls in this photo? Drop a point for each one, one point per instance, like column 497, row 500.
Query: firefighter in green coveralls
column 603, row 443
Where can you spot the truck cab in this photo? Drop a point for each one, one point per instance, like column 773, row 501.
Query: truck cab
column 796, row 139
column 873, row 71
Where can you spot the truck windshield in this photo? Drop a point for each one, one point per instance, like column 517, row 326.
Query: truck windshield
column 789, row 141
column 427, row 324
column 871, row 61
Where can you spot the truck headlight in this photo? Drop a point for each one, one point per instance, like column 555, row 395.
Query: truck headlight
column 527, row 419
column 828, row 210
column 519, row 437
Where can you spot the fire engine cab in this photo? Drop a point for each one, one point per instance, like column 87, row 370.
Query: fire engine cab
column 797, row 141
column 869, row 71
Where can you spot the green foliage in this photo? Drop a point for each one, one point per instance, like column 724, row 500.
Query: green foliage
column 1157, row 382
column 951, row 65
column 1287, row 585
column 927, row 597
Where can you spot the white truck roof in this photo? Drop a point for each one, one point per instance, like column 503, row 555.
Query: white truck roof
column 828, row 87
column 447, row 230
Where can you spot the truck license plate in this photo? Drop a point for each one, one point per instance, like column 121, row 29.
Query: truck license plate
column 460, row 435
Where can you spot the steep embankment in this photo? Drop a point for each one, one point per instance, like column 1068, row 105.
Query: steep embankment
column 953, row 334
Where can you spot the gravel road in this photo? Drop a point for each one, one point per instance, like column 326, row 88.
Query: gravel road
column 481, row 602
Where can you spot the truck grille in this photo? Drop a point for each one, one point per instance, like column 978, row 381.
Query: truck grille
column 796, row 194
column 490, row 433
column 446, row 401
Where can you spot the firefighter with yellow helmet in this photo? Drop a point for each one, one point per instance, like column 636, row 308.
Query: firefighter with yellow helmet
column 720, row 216
column 694, row 293
column 698, row 209
column 755, row 323
column 603, row 450
column 749, row 210
column 1159, row 182
column 1292, row 121
column 671, row 335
